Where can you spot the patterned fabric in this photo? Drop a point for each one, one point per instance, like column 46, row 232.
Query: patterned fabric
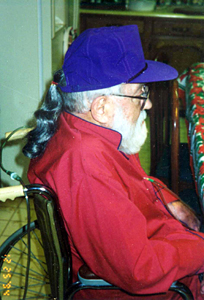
column 191, row 93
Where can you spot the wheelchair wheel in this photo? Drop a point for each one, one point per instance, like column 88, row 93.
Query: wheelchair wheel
column 13, row 266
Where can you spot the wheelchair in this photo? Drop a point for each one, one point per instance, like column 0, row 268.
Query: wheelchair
column 35, row 261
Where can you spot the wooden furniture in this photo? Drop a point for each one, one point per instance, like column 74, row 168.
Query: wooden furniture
column 173, row 38
column 160, row 121
column 170, row 158
column 180, row 36
column 175, row 139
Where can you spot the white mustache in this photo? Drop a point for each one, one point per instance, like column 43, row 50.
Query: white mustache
column 142, row 117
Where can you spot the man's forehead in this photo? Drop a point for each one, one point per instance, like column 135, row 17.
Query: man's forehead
column 133, row 87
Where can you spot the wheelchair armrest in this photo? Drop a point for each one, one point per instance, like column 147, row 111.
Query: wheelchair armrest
column 89, row 278
column 182, row 289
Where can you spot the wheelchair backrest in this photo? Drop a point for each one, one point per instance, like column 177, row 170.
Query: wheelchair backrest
column 54, row 238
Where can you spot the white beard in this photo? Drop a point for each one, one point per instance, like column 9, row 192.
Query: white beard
column 133, row 135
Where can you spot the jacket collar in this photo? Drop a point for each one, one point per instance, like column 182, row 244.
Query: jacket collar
column 112, row 136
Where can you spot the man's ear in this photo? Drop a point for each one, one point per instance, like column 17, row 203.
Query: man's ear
column 99, row 109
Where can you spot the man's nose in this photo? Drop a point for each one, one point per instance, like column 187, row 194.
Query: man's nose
column 148, row 104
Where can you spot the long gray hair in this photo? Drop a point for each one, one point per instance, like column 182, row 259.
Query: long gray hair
column 54, row 104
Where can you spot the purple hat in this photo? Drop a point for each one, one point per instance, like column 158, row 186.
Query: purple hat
column 103, row 57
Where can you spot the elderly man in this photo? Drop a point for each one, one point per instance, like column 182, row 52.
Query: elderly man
column 85, row 146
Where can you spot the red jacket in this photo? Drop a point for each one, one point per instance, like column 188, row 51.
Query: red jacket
column 116, row 221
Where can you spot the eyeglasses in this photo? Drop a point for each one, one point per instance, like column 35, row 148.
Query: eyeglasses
column 144, row 96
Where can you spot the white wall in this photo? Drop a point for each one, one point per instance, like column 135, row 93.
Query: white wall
column 25, row 69
column 32, row 46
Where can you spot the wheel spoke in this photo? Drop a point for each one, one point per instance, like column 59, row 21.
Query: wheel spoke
column 13, row 266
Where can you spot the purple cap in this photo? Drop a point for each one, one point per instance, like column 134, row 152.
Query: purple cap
column 103, row 57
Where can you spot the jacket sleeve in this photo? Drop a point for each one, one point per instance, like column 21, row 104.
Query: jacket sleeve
column 110, row 234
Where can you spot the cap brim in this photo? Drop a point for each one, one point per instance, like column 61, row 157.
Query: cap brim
column 156, row 71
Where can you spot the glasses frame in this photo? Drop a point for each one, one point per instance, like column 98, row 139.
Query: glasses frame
column 144, row 98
